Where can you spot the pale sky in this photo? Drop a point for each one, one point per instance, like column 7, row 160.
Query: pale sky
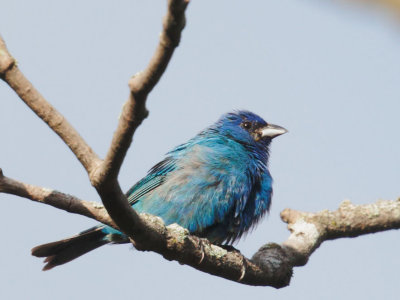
column 326, row 71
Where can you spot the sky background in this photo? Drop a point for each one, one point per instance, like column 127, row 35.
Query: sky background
column 327, row 71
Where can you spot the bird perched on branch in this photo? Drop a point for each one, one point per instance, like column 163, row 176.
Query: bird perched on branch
column 217, row 185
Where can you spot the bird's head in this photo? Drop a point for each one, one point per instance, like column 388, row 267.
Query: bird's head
column 248, row 128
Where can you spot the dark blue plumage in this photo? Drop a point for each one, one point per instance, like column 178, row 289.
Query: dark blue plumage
column 217, row 185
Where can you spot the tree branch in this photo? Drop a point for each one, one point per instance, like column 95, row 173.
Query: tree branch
column 309, row 230
column 133, row 113
column 56, row 199
column 272, row 265
column 11, row 74
column 134, row 110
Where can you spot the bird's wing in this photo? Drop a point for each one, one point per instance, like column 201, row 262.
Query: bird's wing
column 249, row 203
column 209, row 187
column 152, row 180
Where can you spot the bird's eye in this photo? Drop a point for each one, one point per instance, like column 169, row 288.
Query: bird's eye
column 246, row 125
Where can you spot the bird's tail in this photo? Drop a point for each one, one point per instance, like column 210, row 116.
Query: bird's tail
column 63, row 251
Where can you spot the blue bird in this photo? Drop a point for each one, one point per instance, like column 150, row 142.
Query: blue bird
column 217, row 185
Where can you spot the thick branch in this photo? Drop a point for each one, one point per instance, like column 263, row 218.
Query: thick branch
column 271, row 265
column 173, row 242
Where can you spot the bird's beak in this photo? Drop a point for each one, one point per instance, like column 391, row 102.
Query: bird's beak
column 272, row 131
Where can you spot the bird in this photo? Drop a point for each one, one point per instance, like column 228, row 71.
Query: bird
column 217, row 185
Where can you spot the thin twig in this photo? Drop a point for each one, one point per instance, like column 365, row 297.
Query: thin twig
column 134, row 110
column 56, row 199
